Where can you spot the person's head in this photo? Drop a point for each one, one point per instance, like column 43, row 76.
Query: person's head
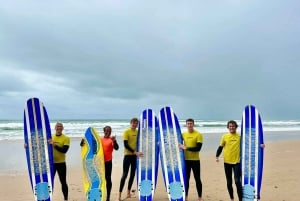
column 232, row 126
column 107, row 131
column 134, row 123
column 190, row 124
column 59, row 127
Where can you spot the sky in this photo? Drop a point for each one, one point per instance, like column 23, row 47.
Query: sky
column 101, row 59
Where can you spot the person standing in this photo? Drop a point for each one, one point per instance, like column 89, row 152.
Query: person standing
column 61, row 144
column 130, row 154
column 192, row 145
column 109, row 143
column 230, row 142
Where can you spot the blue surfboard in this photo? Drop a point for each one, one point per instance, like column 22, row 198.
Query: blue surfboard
column 172, row 158
column 147, row 166
column 39, row 153
column 252, row 153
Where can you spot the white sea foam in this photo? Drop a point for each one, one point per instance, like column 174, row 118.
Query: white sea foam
column 13, row 130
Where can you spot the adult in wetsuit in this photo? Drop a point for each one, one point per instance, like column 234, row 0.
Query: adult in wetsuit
column 130, row 154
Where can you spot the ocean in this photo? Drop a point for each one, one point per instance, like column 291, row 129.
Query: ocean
column 13, row 158
column 13, row 129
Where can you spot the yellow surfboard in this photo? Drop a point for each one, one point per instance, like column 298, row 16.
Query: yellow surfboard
column 93, row 166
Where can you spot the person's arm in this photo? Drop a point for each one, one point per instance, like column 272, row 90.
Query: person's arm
column 62, row 149
column 219, row 151
column 116, row 145
column 196, row 148
column 126, row 145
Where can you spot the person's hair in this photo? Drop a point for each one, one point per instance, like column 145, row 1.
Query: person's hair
column 134, row 120
column 190, row 120
column 106, row 127
column 59, row 123
column 232, row 122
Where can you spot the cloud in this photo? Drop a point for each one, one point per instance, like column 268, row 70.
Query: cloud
column 112, row 59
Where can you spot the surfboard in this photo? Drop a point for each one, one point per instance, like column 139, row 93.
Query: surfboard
column 172, row 158
column 147, row 166
column 39, row 153
column 251, row 153
column 93, row 166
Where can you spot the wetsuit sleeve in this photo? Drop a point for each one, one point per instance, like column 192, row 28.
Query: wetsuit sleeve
column 116, row 145
column 82, row 142
column 219, row 151
column 63, row 149
column 196, row 148
column 126, row 145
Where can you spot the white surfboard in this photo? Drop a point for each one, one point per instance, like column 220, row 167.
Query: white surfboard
column 251, row 153
column 172, row 158
column 147, row 166
column 39, row 152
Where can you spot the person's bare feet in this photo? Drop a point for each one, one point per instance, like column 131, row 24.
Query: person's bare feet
column 131, row 194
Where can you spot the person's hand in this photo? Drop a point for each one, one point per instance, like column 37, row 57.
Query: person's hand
column 262, row 146
column 25, row 145
column 217, row 159
column 181, row 146
column 139, row 154
column 114, row 138
column 50, row 141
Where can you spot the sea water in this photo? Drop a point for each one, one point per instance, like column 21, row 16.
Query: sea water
column 12, row 153
column 14, row 129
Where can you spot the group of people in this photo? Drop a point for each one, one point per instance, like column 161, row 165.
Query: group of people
column 192, row 144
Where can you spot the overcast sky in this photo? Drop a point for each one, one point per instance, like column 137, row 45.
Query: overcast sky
column 113, row 58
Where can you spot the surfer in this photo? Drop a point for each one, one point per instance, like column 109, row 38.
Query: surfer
column 61, row 144
column 109, row 143
column 192, row 145
column 230, row 142
column 130, row 154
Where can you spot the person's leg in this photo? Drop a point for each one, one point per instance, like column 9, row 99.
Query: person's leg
column 237, row 180
column 188, row 167
column 228, row 174
column 197, row 176
column 54, row 169
column 132, row 174
column 126, row 165
column 62, row 174
column 108, row 169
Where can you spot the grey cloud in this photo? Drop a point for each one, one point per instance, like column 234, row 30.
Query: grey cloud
column 114, row 58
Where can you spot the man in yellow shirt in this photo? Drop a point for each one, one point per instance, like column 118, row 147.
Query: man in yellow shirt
column 192, row 145
column 129, row 161
column 230, row 142
column 61, row 144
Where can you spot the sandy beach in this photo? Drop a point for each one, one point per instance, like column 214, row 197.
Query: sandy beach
column 281, row 177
